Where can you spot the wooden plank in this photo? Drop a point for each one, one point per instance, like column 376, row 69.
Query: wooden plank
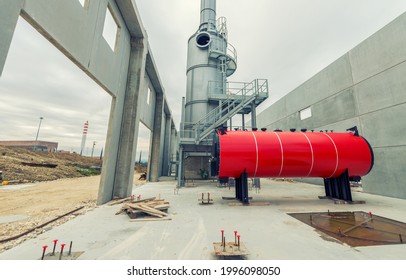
column 151, row 219
column 114, row 202
column 149, row 210
column 144, row 200
column 161, row 207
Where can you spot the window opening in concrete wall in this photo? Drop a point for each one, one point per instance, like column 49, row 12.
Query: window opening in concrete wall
column 305, row 113
column 43, row 82
column 148, row 95
column 110, row 28
column 143, row 152
column 83, row 3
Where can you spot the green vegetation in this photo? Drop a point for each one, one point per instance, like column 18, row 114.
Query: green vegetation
column 88, row 171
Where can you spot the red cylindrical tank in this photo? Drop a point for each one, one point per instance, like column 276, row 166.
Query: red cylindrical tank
column 293, row 154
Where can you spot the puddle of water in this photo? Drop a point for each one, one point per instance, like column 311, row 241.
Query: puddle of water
column 356, row 228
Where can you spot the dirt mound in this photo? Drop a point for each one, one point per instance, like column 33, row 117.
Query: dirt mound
column 25, row 166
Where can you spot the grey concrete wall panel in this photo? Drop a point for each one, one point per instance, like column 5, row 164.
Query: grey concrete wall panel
column 342, row 126
column 78, row 35
column 147, row 109
column 334, row 109
column 280, row 124
column 333, row 79
column 363, row 88
column 385, row 128
column 268, row 117
column 388, row 176
column 9, row 13
column 380, row 51
column 132, row 18
column 383, row 91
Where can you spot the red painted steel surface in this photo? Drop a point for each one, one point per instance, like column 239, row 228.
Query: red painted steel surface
column 293, row 154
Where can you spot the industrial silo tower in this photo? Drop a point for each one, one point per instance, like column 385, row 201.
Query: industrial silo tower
column 211, row 101
column 211, row 59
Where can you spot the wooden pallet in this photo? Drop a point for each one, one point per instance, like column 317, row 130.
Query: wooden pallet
column 146, row 208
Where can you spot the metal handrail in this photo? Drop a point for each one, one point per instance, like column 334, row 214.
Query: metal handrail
column 239, row 94
column 229, row 106
column 230, row 51
column 222, row 27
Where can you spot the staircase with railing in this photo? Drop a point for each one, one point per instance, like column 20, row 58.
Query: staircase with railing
column 234, row 102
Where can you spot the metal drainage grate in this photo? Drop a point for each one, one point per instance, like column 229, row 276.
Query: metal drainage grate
column 356, row 228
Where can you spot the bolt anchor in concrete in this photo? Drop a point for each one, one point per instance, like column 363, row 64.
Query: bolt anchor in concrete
column 60, row 255
column 70, row 249
column 53, row 251
column 44, row 248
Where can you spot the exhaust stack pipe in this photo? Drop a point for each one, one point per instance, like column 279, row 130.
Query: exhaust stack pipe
column 207, row 15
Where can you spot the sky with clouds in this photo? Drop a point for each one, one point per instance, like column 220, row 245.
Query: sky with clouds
column 286, row 42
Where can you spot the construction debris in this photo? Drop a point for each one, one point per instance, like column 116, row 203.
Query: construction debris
column 145, row 208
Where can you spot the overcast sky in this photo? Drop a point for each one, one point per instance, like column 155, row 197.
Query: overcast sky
column 286, row 42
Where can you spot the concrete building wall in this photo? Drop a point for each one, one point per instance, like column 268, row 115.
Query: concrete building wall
column 122, row 70
column 147, row 104
column 366, row 87
column 193, row 166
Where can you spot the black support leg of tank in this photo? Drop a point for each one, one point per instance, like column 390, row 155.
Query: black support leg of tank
column 339, row 187
column 241, row 188
column 244, row 187
column 237, row 188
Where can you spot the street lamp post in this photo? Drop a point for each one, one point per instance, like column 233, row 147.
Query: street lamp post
column 94, row 143
column 39, row 126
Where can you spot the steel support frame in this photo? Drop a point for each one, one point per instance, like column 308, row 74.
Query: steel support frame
column 338, row 188
column 241, row 188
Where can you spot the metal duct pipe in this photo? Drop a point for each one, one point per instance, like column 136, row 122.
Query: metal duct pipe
column 292, row 154
column 207, row 15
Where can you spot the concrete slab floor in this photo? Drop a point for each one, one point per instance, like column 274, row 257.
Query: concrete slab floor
column 267, row 231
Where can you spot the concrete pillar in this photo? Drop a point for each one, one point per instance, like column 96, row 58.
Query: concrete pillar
column 128, row 136
column 167, row 146
column 253, row 115
column 154, row 164
column 9, row 14
column 181, row 168
column 243, row 121
column 174, row 148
